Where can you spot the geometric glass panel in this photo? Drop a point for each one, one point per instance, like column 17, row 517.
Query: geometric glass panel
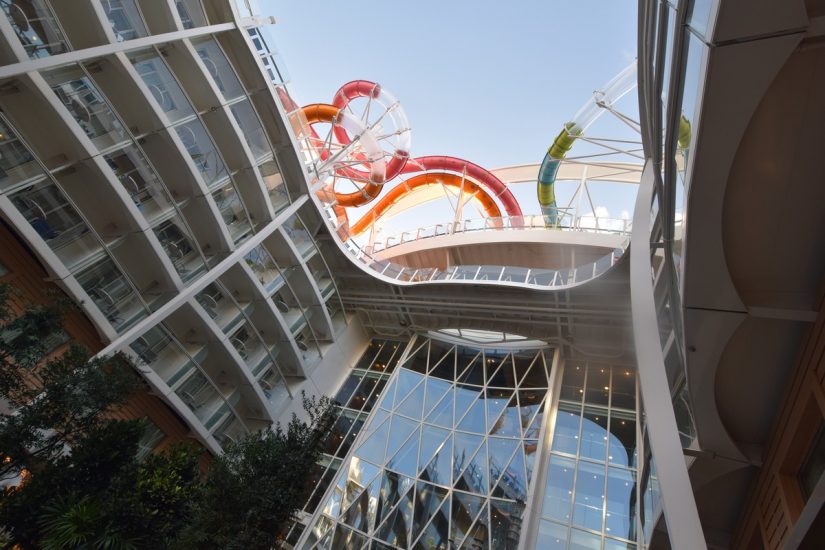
column 501, row 450
column 442, row 414
column 552, row 536
column 496, row 401
column 566, row 433
column 474, row 420
column 428, row 499
column 464, row 397
column 505, row 522
column 404, row 460
column 531, row 404
column 506, row 425
column 502, row 376
column 437, row 534
column 431, row 440
column 361, row 513
column 360, row 475
column 594, row 433
column 439, row 470
column 473, row 373
column 347, row 538
column 411, row 406
column 396, row 528
column 465, row 509
column 513, row 482
column 373, row 448
column 477, row 536
column 582, row 540
column 465, row 447
column 474, row 477
column 388, row 396
column 436, row 390
column 536, row 376
column 443, row 366
column 417, row 360
column 392, row 487
column 620, row 509
column 400, row 430
column 407, row 381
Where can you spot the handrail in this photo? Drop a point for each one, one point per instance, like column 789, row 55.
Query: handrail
column 611, row 226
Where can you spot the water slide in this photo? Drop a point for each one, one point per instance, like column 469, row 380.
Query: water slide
column 601, row 101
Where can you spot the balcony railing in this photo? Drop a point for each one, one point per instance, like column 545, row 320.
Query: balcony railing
column 566, row 222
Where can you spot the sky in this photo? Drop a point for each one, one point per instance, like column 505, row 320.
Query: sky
column 488, row 81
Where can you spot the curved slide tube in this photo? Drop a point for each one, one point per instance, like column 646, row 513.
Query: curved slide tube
column 321, row 112
column 365, row 88
column 429, row 178
column 601, row 101
column 472, row 170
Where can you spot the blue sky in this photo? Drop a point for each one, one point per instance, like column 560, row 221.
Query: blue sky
column 488, row 81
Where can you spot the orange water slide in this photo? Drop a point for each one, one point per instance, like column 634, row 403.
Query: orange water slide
column 429, row 178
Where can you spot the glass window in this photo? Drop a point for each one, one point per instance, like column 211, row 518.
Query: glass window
column 594, row 433
column 566, row 436
column 17, row 164
column 232, row 212
column 58, row 223
column 274, row 182
column 162, row 85
column 87, row 106
column 179, row 245
column 558, row 490
column 191, row 13
column 112, row 294
column 125, row 18
column 552, row 536
column 219, row 68
column 203, row 152
column 140, row 181
column 36, row 27
column 588, row 505
column 251, row 128
column 620, row 509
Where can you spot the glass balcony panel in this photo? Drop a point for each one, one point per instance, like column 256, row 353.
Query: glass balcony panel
column 87, row 106
column 125, row 19
column 231, row 430
column 252, row 130
column 17, row 164
column 265, row 269
column 224, row 311
column 202, row 151
column 219, row 68
column 300, row 237
column 200, row 396
column 249, row 347
column 139, row 179
column 233, row 213
column 162, row 85
column 274, row 386
column 179, row 245
column 165, row 355
column 36, row 27
column 191, row 13
column 57, row 222
column 112, row 294
column 275, row 185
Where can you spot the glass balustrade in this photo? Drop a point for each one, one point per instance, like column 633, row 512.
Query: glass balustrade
column 300, row 237
column 231, row 430
column 167, row 357
column 219, row 68
column 112, row 293
column 17, row 164
column 58, row 223
column 87, row 106
column 125, row 19
column 227, row 313
column 232, row 212
column 250, row 347
column 140, row 180
column 181, row 248
column 203, row 152
column 265, row 269
column 191, row 13
column 163, row 86
column 252, row 130
column 36, row 27
column 275, row 185
column 198, row 393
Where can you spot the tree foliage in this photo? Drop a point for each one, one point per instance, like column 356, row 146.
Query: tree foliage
column 256, row 486
column 86, row 488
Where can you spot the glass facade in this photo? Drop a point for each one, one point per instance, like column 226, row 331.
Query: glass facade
column 447, row 457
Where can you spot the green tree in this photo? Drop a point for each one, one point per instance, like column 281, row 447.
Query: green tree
column 257, row 485
column 85, row 487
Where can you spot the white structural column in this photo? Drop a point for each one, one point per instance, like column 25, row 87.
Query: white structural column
column 684, row 527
